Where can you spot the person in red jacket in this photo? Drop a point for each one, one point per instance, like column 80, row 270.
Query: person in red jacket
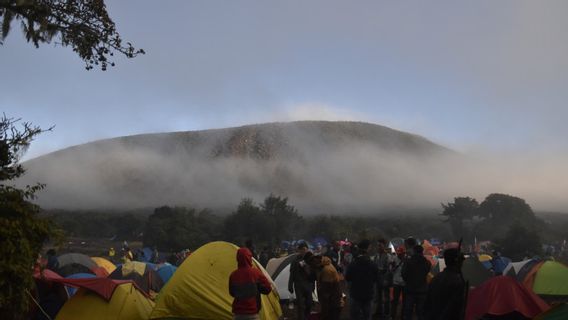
column 246, row 284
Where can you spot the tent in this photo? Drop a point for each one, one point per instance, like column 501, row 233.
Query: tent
column 145, row 277
column 275, row 265
column 503, row 296
column 557, row 312
column 514, row 267
column 526, row 269
column 280, row 273
column 200, row 287
column 104, row 263
column 70, row 290
column 126, row 302
column 548, row 278
column 71, row 263
column 50, row 296
column 499, row 264
column 166, row 271
column 474, row 272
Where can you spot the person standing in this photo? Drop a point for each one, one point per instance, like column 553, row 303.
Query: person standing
column 362, row 276
column 414, row 272
column 384, row 281
column 446, row 294
column 397, row 280
column 330, row 294
column 301, row 282
column 246, row 284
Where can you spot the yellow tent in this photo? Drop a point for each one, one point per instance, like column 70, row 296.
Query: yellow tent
column 484, row 257
column 104, row 263
column 200, row 287
column 126, row 303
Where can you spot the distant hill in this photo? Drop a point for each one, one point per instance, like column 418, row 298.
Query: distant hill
column 320, row 165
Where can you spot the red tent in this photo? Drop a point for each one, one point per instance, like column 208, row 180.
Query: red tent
column 503, row 295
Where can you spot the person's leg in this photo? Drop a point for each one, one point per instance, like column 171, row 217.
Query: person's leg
column 408, row 306
column 300, row 305
column 397, row 290
column 386, row 300
column 366, row 309
column 378, row 300
column 420, row 301
column 308, row 303
column 354, row 309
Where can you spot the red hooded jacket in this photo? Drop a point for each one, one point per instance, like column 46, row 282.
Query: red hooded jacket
column 246, row 284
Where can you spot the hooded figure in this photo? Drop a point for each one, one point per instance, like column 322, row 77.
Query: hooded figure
column 330, row 294
column 246, row 284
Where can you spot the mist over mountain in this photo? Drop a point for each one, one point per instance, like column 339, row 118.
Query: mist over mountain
column 321, row 166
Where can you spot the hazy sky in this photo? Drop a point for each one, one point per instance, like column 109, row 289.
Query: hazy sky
column 469, row 75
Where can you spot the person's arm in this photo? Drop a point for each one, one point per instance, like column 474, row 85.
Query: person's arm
column 263, row 284
column 404, row 271
column 291, row 278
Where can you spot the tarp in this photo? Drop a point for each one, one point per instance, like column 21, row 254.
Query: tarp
column 104, row 287
column 104, row 263
column 126, row 303
column 200, row 287
column 503, row 295
column 557, row 312
column 474, row 272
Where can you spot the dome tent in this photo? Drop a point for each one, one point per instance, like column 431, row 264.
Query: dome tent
column 199, row 289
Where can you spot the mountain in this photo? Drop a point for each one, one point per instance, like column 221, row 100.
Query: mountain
column 320, row 165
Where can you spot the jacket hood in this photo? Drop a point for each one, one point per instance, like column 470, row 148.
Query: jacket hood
column 244, row 258
column 325, row 261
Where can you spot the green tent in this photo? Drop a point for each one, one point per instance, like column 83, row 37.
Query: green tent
column 551, row 279
column 474, row 272
column 557, row 312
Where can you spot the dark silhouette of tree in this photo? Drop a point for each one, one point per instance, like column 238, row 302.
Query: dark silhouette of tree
column 503, row 207
column 22, row 231
column 520, row 242
column 84, row 25
column 178, row 228
column 457, row 212
column 286, row 222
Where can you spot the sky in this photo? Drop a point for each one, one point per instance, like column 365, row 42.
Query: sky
column 481, row 75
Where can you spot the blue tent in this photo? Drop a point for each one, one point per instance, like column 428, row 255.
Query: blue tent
column 148, row 252
column 166, row 271
column 70, row 290
column 499, row 264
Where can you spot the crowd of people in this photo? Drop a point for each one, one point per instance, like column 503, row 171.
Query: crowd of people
column 368, row 278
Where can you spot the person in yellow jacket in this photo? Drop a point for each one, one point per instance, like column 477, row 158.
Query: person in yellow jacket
column 330, row 293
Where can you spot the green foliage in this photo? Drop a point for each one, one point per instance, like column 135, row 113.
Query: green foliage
column 499, row 211
column 268, row 223
column 22, row 231
column 123, row 225
column 519, row 242
column 178, row 228
column 503, row 208
column 82, row 24
column 457, row 212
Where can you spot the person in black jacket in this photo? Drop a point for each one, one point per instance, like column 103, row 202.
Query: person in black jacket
column 362, row 275
column 302, row 281
column 446, row 294
column 414, row 272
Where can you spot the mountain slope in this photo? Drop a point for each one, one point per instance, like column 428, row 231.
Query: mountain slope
column 320, row 165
